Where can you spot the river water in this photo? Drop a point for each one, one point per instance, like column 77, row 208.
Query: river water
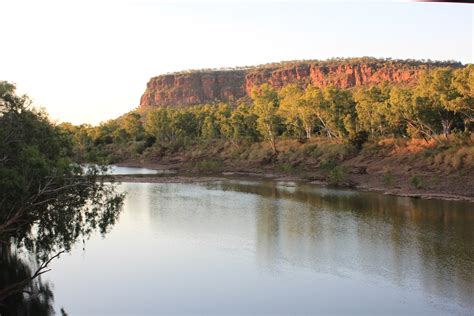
column 265, row 247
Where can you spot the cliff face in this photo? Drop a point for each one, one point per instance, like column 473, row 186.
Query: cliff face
column 194, row 88
column 210, row 86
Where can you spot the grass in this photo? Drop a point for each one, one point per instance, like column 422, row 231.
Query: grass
column 388, row 178
column 285, row 167
column 208, row 164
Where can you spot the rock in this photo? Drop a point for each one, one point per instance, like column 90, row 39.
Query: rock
column 207, row 86
column 358, row 170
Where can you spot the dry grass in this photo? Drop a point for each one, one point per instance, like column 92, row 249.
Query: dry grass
column 455, row 158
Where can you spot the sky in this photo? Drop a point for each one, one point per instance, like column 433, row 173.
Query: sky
column 88, row 61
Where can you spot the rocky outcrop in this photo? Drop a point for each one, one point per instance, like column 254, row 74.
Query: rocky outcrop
column 199, row 87
column 194, row 88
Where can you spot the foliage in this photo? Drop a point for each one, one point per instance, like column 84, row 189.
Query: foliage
column 208, row 164
column 373, row 110
column 358, row 139
column 266, row 103
column 47, row 201
column 337, row 175
column 388, row 177
column 441, row 103
column 300, row 107
column 331, row 62
column 416, row 182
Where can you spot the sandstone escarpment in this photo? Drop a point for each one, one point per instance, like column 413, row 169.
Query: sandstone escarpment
column 197, row 87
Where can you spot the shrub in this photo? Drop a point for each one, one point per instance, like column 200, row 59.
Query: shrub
column 358, row 139
column 388, row 178
column 461, row 137
column 435, row 180
column 337, row 175
column 416, row 182
column 312, row 150
column 149, row 141
column 327, row 165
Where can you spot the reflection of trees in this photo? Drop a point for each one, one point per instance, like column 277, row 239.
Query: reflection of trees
column 50, row 223
column 267, row 226
column 42, row 232
column 33, row 298
column 403, row 238
column 47, row 202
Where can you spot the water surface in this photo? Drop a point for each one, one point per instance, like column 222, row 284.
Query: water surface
column 256, row 247
column 119, row 170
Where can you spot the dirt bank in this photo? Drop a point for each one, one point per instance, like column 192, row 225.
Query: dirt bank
column 448, row 189
column 392, row 166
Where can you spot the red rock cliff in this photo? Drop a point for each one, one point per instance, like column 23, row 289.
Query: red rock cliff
column 199, row 87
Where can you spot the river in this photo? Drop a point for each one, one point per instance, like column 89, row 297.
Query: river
column 269, row 247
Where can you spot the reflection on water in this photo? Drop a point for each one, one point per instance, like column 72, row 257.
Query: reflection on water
column 35, row 299
column 117, row 170
column 266, row 247
column 412, row 242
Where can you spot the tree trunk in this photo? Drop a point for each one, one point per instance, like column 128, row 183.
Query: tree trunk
column 272, row 143
column 271, row 139
column 447, row 124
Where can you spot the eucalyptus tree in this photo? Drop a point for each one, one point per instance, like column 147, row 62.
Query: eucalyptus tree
column 244, row 123
column 133, row 126
column 437, row 92
column 265, row 105
column 373, row 109
column 47, row 202
column 338, row 112
column 301, row 107
column 464, row 103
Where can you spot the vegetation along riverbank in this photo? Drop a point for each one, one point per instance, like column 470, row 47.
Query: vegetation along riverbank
column 405, row 129
column 408, row 137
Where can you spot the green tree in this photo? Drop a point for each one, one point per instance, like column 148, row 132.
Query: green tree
column 266, row 103
column 464, row 103
column 133, row 126
column 244, row 123
column 414, row 112
column 299, row 107
column 437, row 91
column 159, row 123
column 47, row 201
column 184, row 122
column 373, row 109
column 338, row 112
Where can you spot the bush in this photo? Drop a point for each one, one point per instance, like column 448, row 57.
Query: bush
column 149, row 141
column 388, row 178
column 358, row 139
column 337, row 175
column 312, row 150
column 327, row 165
column 461, row 137
column 416, row 182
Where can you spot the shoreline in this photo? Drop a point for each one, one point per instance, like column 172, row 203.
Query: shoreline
column 176, row 173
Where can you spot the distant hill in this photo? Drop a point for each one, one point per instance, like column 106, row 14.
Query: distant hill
column 214, row 85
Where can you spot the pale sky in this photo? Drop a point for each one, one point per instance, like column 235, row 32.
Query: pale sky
column 87, row 61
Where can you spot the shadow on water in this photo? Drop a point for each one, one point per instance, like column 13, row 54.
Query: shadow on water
column 36, row 298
